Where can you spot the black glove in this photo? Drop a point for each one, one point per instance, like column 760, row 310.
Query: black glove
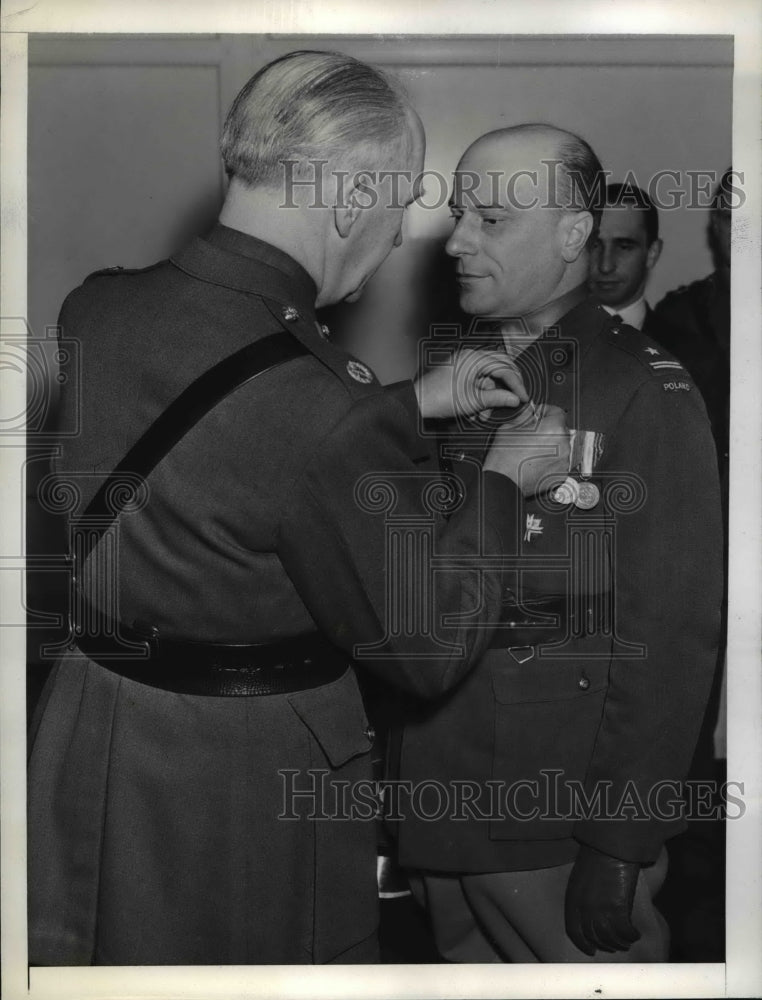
column 599, row 900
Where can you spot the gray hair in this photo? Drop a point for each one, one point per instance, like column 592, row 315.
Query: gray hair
column 314, row 106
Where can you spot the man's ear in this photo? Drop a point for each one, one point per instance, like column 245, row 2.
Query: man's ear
column 576, row 228
column 653, row 253
column 346, row 211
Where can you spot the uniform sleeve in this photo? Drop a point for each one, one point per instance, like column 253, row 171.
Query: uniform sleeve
column 668, row 591
column 384, row 571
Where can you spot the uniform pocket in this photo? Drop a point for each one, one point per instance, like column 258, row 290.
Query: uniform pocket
column 545, row 726
column 335, row 715
column 536, row 680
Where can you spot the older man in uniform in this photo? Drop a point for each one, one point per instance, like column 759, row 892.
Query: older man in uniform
column 544, row 787
column 192, row 742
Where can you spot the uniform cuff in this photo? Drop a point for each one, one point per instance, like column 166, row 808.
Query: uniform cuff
column 405, row 393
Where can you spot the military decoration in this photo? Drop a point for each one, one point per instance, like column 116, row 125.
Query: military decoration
column 533, row 527
column 360, row 372
column 588, row 496
column 586, row 448
column 566, row 493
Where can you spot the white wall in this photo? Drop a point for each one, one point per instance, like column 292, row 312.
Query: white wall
column 124, row 167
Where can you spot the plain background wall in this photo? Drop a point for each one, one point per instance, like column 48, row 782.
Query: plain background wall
column 123, row 161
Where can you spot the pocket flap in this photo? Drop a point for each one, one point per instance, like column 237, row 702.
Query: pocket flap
column 534, row 680
column 335, row 715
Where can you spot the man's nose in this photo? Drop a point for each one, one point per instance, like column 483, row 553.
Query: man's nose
column 461, row 239
column 606, row 259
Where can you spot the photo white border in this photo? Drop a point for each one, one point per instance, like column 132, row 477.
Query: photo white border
column 742, row 974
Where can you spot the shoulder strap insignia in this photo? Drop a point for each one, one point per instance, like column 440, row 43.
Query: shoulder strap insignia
column 119, row 269
column 652, row 356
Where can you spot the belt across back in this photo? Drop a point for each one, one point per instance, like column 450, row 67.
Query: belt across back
column 216, row 669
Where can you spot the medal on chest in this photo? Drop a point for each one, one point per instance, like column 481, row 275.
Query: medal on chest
column 586, row 448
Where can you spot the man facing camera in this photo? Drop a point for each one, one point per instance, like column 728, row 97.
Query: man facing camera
column 624, row 253
column 543, row 788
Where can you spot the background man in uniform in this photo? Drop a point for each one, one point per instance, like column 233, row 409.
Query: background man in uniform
column 693, row 323
column 623, row 254
column 553, row 754
column 160, row 822
column 694, row 320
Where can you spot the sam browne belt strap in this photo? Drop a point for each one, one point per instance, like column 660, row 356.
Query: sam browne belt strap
column 184, row 666
column 173, row 424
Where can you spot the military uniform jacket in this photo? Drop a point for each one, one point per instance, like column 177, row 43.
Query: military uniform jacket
column 693, row 323
column 154, row 817
column 583, row 738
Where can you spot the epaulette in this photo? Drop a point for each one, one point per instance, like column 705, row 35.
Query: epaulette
column 657, row 361
column 119, row 270
column 357, row 377
column 699, row 287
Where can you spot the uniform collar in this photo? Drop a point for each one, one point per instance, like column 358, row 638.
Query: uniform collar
column 232, row 259
column 583, row 322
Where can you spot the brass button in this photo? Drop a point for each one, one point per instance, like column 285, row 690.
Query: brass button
column 290, row 314
column 584, row 683
column 370, row 734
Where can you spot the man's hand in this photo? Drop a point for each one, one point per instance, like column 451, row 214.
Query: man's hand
column 476, row 382
column 599, row 900
column 533, row 451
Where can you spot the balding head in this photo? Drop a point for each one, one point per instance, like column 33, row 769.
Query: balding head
column 565, row 164
column 525, row 199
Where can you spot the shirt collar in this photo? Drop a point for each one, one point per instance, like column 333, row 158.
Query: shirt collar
column 633, row 315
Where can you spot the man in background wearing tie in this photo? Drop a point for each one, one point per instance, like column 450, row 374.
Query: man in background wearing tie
column 624, row 254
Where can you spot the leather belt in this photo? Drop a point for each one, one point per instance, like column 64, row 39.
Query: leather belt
column 522, row 627
column 215, row 669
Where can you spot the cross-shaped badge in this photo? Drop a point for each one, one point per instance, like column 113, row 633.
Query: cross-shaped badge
column 534, row 527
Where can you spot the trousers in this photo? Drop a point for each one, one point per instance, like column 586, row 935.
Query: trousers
column 519, row 916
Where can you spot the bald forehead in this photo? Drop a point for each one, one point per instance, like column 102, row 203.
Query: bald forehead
column 511, row 168
column 525, row 148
